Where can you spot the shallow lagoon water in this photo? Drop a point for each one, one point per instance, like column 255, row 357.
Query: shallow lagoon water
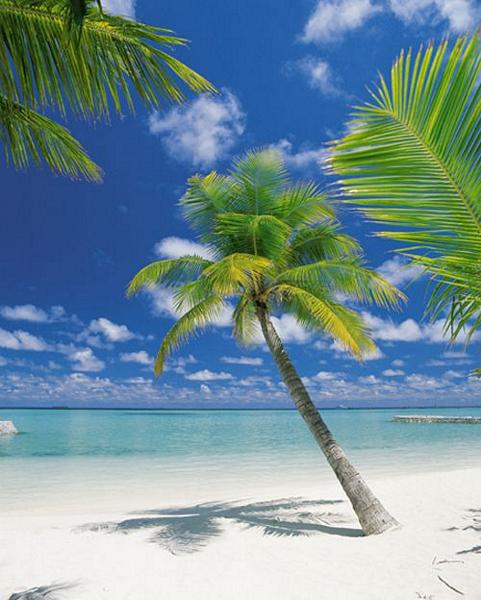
column 100, row 453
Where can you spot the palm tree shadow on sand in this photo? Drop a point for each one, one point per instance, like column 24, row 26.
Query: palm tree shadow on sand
column 189, row 529
column 44, row 592
column 474, row 523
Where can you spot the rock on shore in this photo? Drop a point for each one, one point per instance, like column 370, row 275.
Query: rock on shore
column 7, row 428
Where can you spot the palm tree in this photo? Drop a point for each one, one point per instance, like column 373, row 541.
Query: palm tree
column 276, row 246
column 412, row 159
column 71, row 57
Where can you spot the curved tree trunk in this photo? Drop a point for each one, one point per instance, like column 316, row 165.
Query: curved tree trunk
column 373, row 517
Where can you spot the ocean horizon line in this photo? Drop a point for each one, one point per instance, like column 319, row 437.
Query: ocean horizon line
column 236, row 409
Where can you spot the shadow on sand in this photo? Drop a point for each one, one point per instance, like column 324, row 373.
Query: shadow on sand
column 191, row 528
column 44, row 592
column 473, row 517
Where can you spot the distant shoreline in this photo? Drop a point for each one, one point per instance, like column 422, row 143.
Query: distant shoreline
column 229, row 409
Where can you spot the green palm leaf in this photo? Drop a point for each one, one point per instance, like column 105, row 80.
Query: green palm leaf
column 171, row 271
column 412, row 160
column 198, row 317
column 30, row 137
column 344, row 277
column 68, row 55
column 41, row 66
column 346, row 326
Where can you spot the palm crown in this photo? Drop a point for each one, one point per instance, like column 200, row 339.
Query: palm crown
column 275, row 245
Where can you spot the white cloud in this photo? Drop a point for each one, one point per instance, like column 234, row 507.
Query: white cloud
column 175, row 247
column 325, row 376
column 332, row 19
column 24, row 312
column 304, row 159
column 202, row 132
column 393, row 372
column 319, row 75
column 206, row 375
column 123, row 8
column 85, row 360
column 22, row 340
column 111, row 331
column 290, row 330
column 242, row 360
column 398, row 272
column 461, row 15
column 34, row 314
column 397, row 362
column 141, row 357
column 205, row 390
column 369, row 380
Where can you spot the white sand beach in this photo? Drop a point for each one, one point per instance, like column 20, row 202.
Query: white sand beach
column 249, row 550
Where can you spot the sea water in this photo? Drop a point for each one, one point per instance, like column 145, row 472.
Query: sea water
column 96, row 454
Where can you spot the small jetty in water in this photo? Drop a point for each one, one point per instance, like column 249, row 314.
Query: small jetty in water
column 436, row 419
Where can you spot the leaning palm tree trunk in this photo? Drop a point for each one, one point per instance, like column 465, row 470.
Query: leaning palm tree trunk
column 372, row 515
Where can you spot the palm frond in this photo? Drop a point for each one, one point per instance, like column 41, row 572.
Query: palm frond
column 29, row 137
column 344, row 277
column 263, row 235
column 206, row 198
column 41, row 66
column 245, row 321
column 171, row 271
column 236, row 273
column 260, row 176
column 413, row 160
column 342, row 324
column 198, row 317
column 302, row 204
column 322, row 242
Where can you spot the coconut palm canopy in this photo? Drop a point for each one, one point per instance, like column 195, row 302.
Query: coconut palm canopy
column 412, row 161
column 72, row 57
column 275, row 244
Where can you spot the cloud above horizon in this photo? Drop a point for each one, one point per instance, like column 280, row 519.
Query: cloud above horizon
column 202, row 132
column 34, row 314
column 175, row 247
column 399, row 272
column 123, row 8
column 331, row 20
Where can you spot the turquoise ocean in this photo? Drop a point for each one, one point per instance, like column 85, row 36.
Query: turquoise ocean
column 70, row 454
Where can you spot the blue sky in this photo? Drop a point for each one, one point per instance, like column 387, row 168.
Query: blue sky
column 288, row 73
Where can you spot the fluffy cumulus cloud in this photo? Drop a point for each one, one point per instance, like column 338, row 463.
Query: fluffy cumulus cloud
column 22, row 340
column 243, row 360
column 332, row 19
column 85, row 360
column 320, row 76
column 399, row 272
column 123, row 8
column 393, row 372
column 111, row 331
column 175, row 247
column 203, row 132
column 410, row 330
column 206, row 375
column 460, row 15
column 141, row 357
column 304, row 159
column 34, row 314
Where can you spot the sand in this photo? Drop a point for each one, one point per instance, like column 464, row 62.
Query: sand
column 292, row 550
